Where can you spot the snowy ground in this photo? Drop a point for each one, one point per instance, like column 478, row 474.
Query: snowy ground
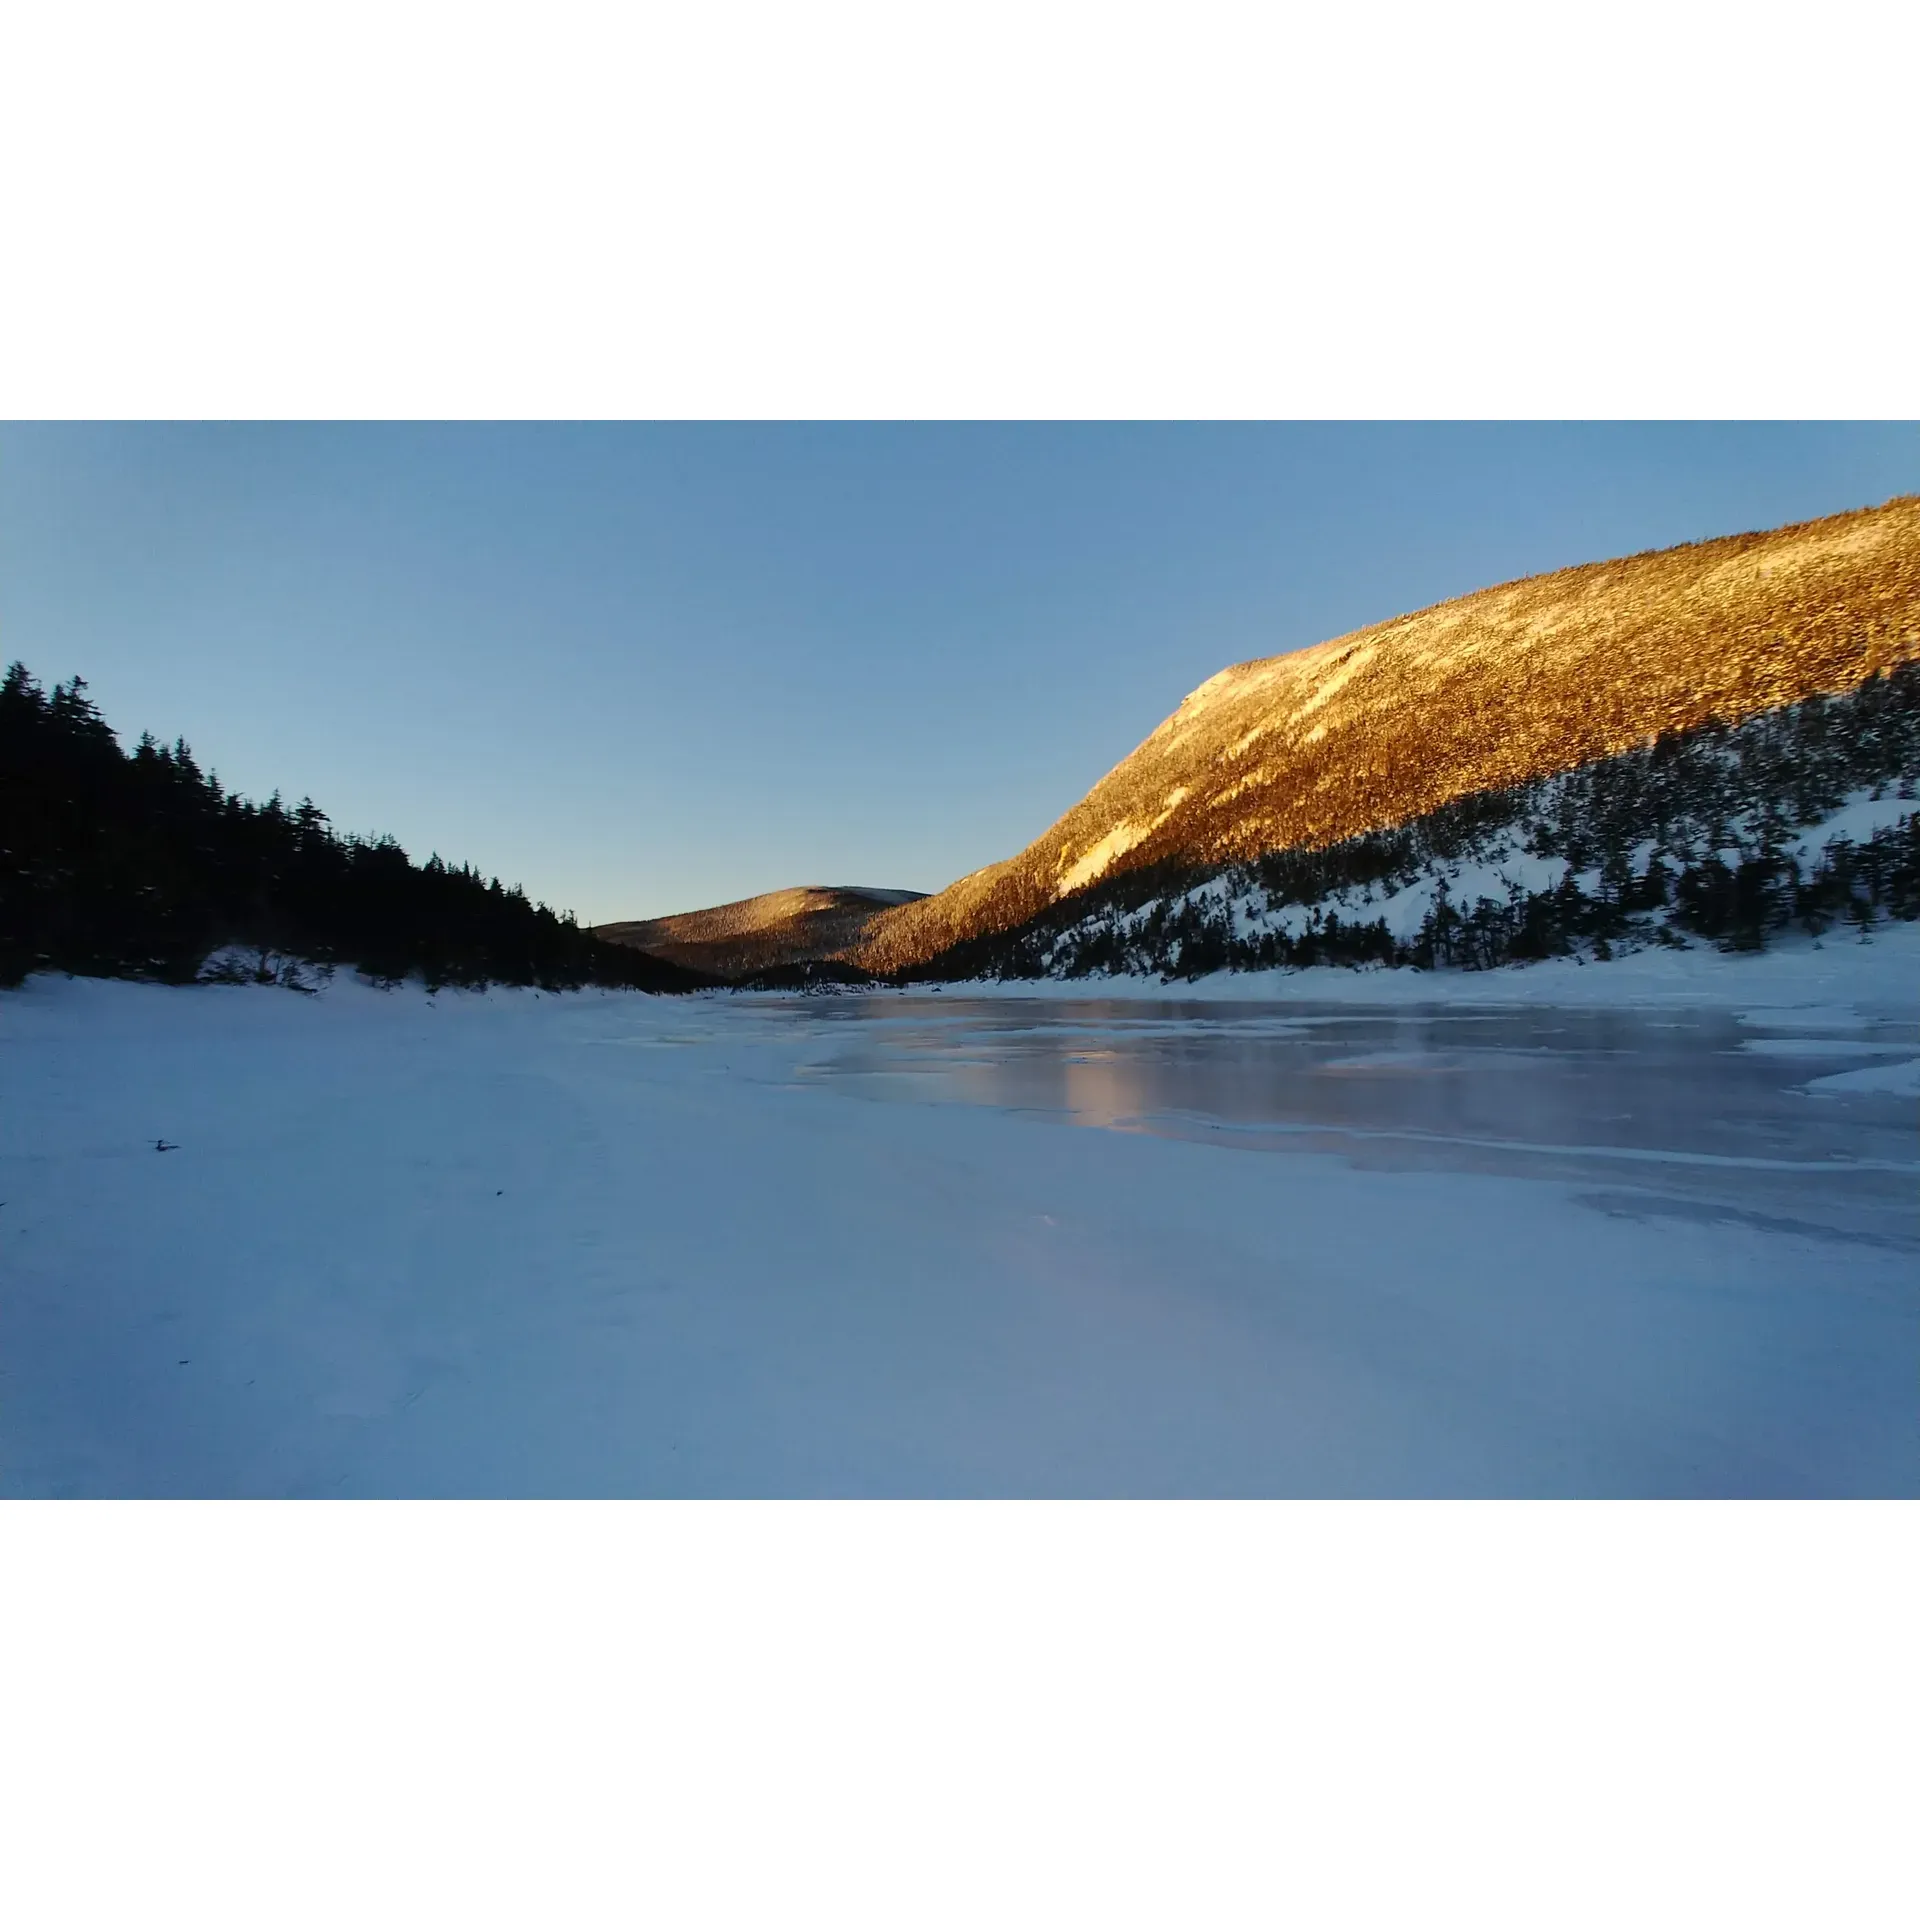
column 1882, row 971
column 506, row 1244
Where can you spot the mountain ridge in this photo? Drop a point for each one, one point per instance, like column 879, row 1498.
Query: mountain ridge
column 1801, row 821
column 791, row 926
column 1515, row 682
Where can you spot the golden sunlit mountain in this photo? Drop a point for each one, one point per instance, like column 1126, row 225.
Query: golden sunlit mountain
column 1530, row 678
column 791, row 927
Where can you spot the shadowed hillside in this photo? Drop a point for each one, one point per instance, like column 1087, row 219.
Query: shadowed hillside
column 142, row 865
column 1385, row 725
column 788, row 928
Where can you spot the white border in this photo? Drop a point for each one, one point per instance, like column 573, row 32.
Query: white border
column 961, row 1709
column 1027, row 209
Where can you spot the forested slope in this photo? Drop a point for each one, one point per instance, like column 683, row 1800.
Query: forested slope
column 1478, row 695
column 1802, row 820
column 140, row 864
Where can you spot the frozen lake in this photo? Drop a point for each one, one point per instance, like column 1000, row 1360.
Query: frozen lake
column 1695, row 1113
column 984, row 1245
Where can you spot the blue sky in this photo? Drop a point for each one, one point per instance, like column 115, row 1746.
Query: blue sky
column 646, row 668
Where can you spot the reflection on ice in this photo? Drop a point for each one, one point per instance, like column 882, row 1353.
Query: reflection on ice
column 1686, row 1110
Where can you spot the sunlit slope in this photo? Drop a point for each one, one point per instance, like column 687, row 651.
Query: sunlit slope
column 771, row 929
column 1530, row 678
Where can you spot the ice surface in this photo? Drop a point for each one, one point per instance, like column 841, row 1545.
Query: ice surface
column 1899, row 1077
column 1690, row 1106
column 604, row 1244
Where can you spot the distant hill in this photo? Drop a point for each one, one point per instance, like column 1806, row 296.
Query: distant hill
column 1479, row 695
column 787, row 929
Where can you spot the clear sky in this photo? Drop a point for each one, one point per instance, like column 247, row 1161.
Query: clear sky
column 646, row 668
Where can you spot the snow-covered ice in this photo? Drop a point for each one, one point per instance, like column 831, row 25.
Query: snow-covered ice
column 508, row 1244
column 1824, row 978
column 1901, row 1078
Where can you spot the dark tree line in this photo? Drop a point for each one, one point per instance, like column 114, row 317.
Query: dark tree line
column 1689, row 835
column 141, row 865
